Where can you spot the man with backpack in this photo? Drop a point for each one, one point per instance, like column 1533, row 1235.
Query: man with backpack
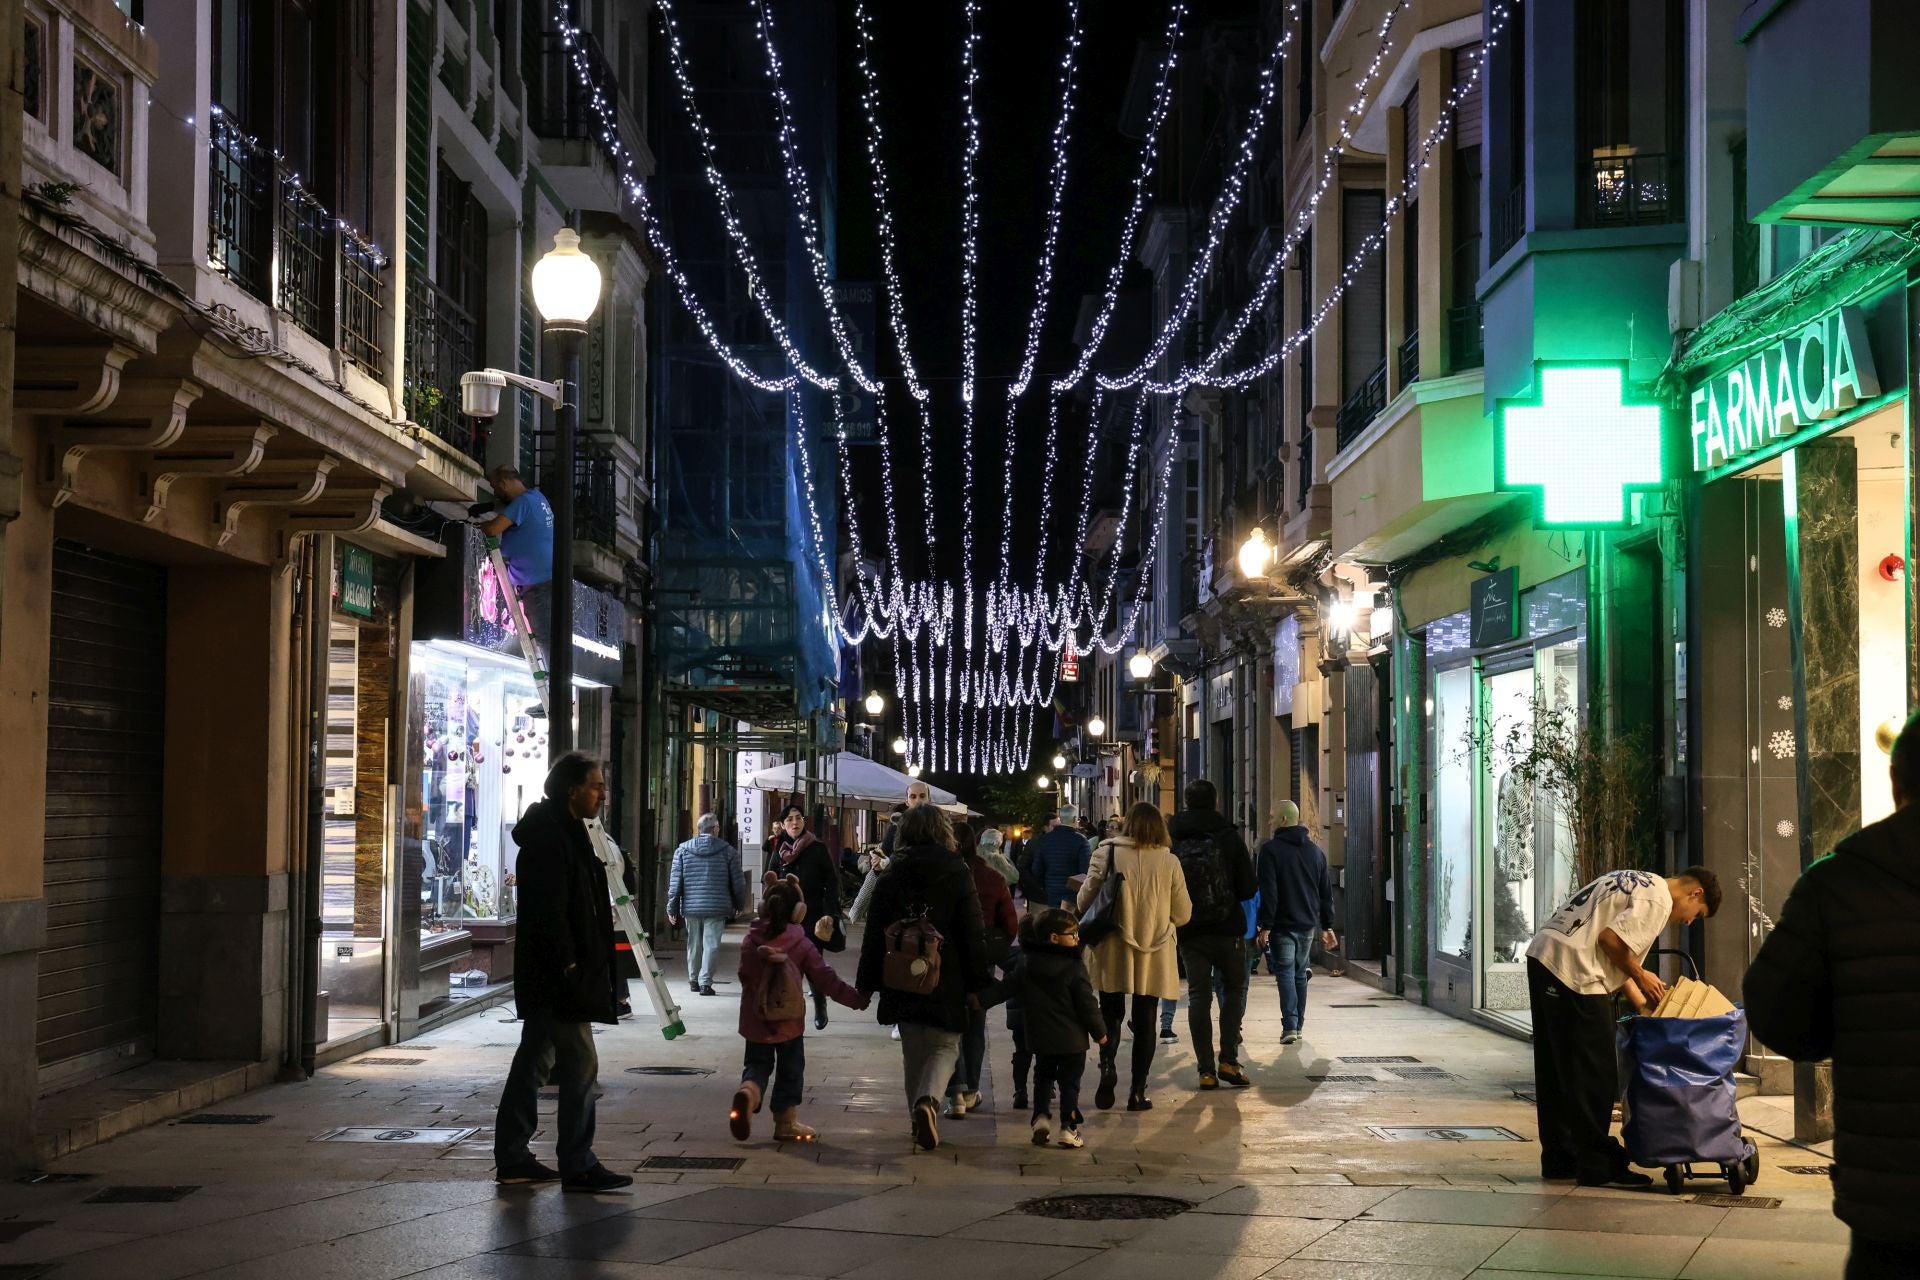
column 1220, row 876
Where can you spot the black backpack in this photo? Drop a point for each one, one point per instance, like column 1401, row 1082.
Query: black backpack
column 1209, row 882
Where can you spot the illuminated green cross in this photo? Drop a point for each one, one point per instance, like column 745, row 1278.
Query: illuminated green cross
column 1581, row 446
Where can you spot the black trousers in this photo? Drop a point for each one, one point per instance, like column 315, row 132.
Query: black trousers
column 1064, row 1069
column 1879, row 1260
column 1022, row 1056
column 1208, row 958
column 1575, row 1078
column 1142, row 1015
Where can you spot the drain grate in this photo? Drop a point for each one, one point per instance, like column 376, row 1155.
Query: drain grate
column 669, row 1071
column 387, row 1062
column 1444, row 1133
column 386, row 1133
column 1718, row 1201
column 1104, row 1208
column 214, row 1117
column 1422, row 1073
column 1343, row 1079
column 1811, row 1170
column 41, row 1178
column 1381, row 1057
column 693, row 1164
column 1349, row 1006
column 140, row 1195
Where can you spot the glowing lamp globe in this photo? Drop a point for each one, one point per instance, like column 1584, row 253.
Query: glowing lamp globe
column 566, row 283
column 899, row 746
column 1097, row 727
column 1256, row 553
column 1043, row 782
column 913, row 771
column 875, row 704
column 1340, row 618
column 1059, row 761
column 1140, row 666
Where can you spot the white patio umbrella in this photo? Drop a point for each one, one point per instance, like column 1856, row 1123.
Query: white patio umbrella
column 855, row 778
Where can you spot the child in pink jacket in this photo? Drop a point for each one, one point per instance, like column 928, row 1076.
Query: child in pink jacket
column 775, row 956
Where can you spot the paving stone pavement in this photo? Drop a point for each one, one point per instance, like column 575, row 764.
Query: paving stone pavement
column 1284, row 1179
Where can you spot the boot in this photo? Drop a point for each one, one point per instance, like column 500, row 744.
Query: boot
column 787, row 1127
column 819, row 1012
column 746, row 1101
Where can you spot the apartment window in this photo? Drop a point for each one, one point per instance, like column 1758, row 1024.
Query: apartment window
column 1507, row 203
column 1746, row 234
column 1464, row 345
column 1410, row 139
column 1363, row 318
column 1309, row 56
column 1629, row 111
column 1303, row 459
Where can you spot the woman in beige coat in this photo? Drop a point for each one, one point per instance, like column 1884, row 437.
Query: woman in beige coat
column 1139, row 961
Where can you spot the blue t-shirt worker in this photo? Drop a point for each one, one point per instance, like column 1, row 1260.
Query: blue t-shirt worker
column 524, row 525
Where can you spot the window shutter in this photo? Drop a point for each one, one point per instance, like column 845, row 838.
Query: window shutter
column 1468, row 114
column 1411, row 134
column 1363, row 310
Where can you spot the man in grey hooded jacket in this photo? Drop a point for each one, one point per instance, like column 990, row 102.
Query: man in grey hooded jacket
column 708, row 885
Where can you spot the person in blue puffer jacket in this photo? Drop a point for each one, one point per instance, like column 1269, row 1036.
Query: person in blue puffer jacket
column 707, row 886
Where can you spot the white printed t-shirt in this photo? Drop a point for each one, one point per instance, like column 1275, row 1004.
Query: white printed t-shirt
column 1634, row 904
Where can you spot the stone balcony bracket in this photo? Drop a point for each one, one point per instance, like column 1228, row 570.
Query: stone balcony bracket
column 276, row 482
column 147, row 414
column 204, row 451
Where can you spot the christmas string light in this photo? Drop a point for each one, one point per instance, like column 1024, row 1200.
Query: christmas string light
column 883, row 206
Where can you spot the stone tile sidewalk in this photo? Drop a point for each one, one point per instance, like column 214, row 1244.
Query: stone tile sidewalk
column 1282, row 1180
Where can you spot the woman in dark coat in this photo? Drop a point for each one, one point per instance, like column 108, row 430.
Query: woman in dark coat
column 795, row 851
column 927, row 878
column 1002, row 924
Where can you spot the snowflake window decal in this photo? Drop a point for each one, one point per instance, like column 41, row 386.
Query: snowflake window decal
column 1785, row 703
column 1781, row 744
column 1783, row 828
column 1776, row 617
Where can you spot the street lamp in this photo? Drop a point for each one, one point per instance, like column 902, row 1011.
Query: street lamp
column 1140, row 666
column 913, row 771
column 1097, row 727
column 899, row 746
column 1256, row 553
column 875, row 704
column 1059, row 761
column 1043, row 782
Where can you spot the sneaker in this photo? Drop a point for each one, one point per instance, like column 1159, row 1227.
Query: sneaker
column 694, row 987
column 1109, row 1082
column 523, row 1172
column 896, row 1032
column 597, row 1181
column 1291, row 1037
column 623, row 1010
column 1042, row 1130
column 1020, row 1101
column 957, row 1107
column 1619, row 1178
column 926, row 1124
column 1070, row 1137
column 1169, row 1036
column 1208, row 1080
column 972, row 1099
column 1139, row 1102
column 708, row 990
column 1232, row 1076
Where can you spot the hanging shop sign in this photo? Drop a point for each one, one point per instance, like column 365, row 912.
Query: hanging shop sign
column 1581, row 445
column 1810, row 379
column 356, row 580
column 1070, row 664
column 1495, row 608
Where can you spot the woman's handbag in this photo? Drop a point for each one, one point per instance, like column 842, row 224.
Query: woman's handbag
column 1101, row 919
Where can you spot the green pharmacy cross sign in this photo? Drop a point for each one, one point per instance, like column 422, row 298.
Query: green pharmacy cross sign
column 1581, row 445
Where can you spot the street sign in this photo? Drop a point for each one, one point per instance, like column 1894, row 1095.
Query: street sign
column 1581, row 445
column 356, row 580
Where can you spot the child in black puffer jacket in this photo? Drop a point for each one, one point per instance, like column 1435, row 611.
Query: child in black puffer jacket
column 1048, row 990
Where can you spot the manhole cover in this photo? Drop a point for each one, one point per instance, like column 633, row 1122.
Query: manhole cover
column 1382, row 1057
column 1443, row 1133
column 388, row 1062
column 1718, row 1201
column 693, row 1164
column 1811, row 1170
column 210, row 1117
column 1422, row 1073
column 1098, row 1208
column 140, row 1195
column 391, row 1133
column 1343, row 1079
column 669, row 1071
column 1349, row 1006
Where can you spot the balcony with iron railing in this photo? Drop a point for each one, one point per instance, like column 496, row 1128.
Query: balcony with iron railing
column 1303, row 479
column 1629, row 191
column 1361, row 408
column 274, row 239
column 442, row 344
column 1409, row 360
column 1508, row 222
column 596, row 506
column 572, row 92
column 1466, row 339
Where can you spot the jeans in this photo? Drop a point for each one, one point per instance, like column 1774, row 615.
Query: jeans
column 785, row 1062
column 703, row 945
column 973, row 1053
column 1167, row 1009
column 1291, row 956
column 1205, row 957
column 1138, row 1012
column 563, row 1052
column 537, row 600
column 1022, row 1057
column 1064, row 1069
column 927, row 1056
column 1575, row 1078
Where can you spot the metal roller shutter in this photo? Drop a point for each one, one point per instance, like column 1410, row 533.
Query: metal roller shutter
column 105, row 715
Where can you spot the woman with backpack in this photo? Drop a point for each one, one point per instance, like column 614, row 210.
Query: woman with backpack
column 773, row 1011
column 924, row 952
column 1134, row 939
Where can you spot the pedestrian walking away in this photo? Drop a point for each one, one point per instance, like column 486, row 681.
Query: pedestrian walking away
column 1220, row 878
column 1056, row 856
column 991, row 853
column 1000, row 925
column 1048, row 976
column 1839, row 977
column 1136, row 965
column 773, row 1012
column 1296, row 898
column 1587, row 951
column 706, row 887
column 562, row 982
column 924, row 954
column 795, row 851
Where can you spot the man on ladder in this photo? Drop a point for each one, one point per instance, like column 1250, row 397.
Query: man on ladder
column 524, row 526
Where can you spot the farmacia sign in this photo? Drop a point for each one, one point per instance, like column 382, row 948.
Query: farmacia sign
column 1802, row 380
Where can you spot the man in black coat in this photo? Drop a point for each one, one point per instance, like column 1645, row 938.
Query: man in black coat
column 1839, row 977
column 562, row 981
column 1220, row 876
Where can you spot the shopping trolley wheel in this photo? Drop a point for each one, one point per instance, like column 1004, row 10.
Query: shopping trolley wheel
column 1736, row 1178
column 1751, row 1167
column 1676, row 1179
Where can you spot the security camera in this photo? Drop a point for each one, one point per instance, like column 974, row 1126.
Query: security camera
column 480, row 392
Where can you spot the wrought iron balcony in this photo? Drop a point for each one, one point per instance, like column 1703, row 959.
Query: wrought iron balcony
column 442, row 344
column 268, row 234
column 1410, row 359
column 596, row 508
column 574, row 92
column 1509, row 218
column 1361, row 408
column 1629, row 191
column 1304, row 479
column 1466, row 341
